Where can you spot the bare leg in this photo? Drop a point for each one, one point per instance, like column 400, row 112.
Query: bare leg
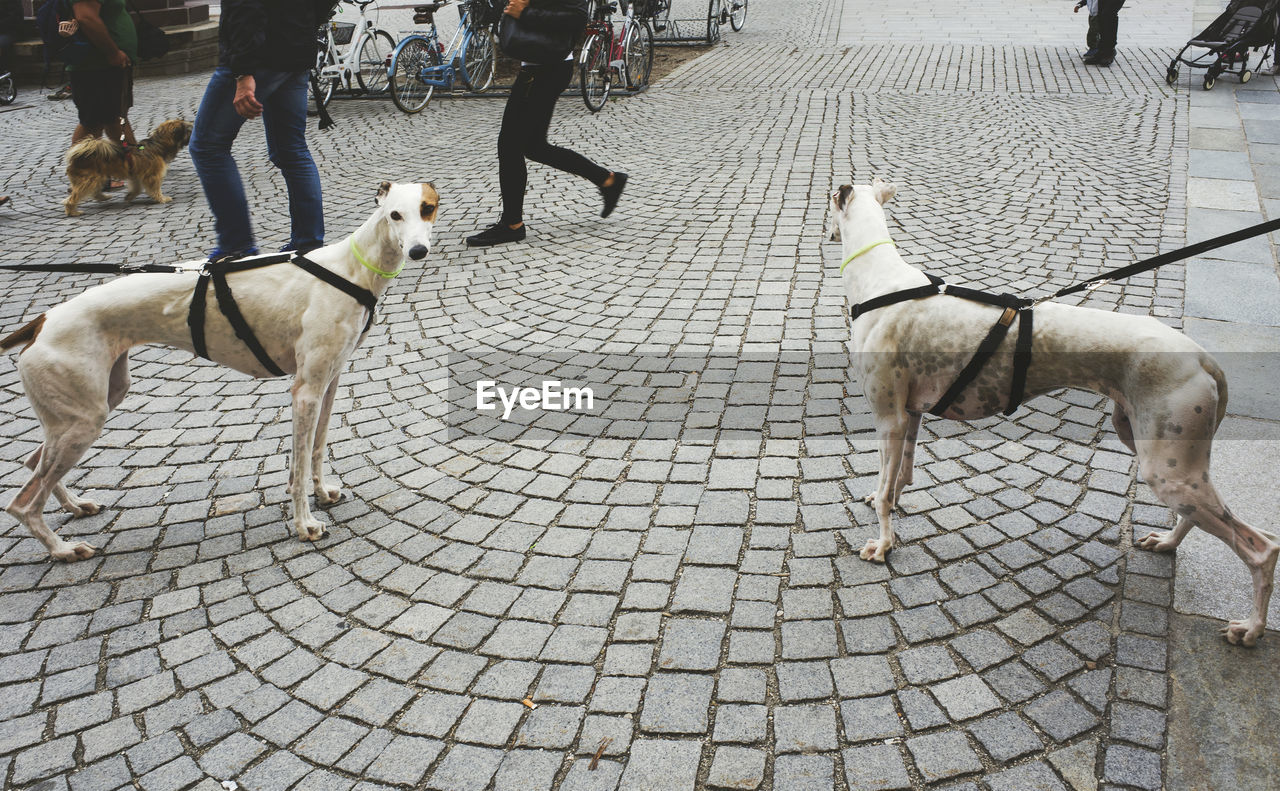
column 891, row 432
column 60, row 451
column 70, row 502
column 306, row 412
column 325, row 494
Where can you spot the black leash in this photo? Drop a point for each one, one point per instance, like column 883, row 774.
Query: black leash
column 1190, row 251
column 97, row 269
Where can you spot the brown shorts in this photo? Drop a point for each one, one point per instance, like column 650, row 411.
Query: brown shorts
column 102, row 97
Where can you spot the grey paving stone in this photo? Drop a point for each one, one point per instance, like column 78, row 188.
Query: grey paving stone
column 875, row 768
column 465, row 768
column 943, row 755
column 867, row 719
column 965, row 697
column 1032, row 777
column 1059, row 715
column 736, row 767
column 862, row 676
column 691, row 644
column 660, row 765
column 1006, row 737
column 676, row 703
column 743, row 724
column 804, row 772
column 804, row 728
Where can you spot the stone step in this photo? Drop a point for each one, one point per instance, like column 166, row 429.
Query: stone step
column 192, row 48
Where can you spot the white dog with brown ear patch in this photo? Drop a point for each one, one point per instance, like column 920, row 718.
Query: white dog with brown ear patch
column 75, row 359
column 1169, row 393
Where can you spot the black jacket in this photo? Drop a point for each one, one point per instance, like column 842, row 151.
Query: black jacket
column 557, row 16
column 278, row 35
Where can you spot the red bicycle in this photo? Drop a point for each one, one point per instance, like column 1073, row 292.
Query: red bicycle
column 626, row 53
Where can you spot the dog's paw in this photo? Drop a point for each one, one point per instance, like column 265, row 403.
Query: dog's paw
column 163, row 199
column 68, row 552
column 310, row 529
column 327, row 494
column 1158, row 541
column 80, row 507
column 1243, row 633
column 875, row 550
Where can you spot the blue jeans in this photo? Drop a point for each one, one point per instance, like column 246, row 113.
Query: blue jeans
column 284, row 117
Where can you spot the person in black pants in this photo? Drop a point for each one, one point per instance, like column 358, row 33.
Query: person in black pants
column 528, row 116
column 1108, row 25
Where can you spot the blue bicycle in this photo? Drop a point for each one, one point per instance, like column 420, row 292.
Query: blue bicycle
column 420, row 63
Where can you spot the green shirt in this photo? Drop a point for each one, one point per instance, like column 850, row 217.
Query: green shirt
column 115, row 15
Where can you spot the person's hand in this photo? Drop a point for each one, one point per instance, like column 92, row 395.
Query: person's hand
column 118, row 60
column 68, row 29
column 246, row 103
column 516, row 7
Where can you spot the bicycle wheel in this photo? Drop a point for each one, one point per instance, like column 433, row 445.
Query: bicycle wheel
column 714, row 10
column 326, row 87
column 408, row 91
column 637, row 52
column 593, row 69
column 479, row 60
column 737, row 14
column 375, row 59
column 8, row 90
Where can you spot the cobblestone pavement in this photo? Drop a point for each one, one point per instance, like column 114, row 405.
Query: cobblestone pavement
column 671, row 580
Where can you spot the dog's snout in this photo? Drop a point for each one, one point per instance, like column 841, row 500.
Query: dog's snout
column 418, row 252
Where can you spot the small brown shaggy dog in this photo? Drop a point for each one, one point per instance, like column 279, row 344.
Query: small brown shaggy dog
column 91, row 163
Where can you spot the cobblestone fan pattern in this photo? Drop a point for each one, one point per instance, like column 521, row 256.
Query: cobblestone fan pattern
column 689, row 609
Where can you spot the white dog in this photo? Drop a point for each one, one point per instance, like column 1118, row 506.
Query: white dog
column 1169, row 393
column 75, row 361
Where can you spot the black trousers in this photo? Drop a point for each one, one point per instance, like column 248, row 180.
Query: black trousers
column 524, row 136
column 1108, row 25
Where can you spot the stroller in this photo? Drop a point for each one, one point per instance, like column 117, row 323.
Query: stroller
column 1244, row 25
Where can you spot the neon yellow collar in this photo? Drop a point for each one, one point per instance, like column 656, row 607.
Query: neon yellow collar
column 864, row 249
column 365, row 263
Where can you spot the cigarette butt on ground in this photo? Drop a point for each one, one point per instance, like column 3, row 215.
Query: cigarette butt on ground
column 529, row 703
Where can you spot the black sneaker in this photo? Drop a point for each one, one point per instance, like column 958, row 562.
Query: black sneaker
column 1099, row 60
column 612, row 193
column 498, row 233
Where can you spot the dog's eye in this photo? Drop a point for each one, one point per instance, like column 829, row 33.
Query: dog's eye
column 427, row 211
column 395, row 215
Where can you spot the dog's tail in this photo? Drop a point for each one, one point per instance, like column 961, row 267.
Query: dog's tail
column 93, row 155
column 26, row 335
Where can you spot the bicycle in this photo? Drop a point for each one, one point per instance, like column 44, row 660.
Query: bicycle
column 8, row 90
column 730, row 12
column 371, row 49
column 719, row 12
column 629, row 54
column 421, row 63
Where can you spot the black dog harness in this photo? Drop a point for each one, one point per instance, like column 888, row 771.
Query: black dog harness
column 217, row 271
column 1013, row 306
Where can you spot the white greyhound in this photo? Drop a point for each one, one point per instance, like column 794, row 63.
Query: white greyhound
column 75, row 361
column 1169, row 393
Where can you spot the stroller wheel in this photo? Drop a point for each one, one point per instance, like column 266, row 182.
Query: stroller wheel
column 1245, row 76
column 1171, row 76
column 1209, row 82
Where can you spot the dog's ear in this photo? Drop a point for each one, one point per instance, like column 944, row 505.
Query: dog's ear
column 383, row 189
column 842, row 195
column 884, row 191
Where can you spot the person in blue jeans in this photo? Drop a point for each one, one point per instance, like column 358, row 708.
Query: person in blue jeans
column 265, row 50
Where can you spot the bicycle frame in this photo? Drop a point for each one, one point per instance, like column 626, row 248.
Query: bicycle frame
column 443, row 74
column 341, row 65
